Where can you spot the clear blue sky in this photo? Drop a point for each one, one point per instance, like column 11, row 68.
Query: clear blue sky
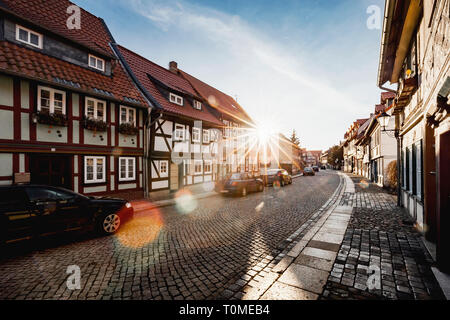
column 308, row 65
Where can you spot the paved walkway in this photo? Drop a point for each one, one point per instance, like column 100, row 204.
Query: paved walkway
column 359, row 245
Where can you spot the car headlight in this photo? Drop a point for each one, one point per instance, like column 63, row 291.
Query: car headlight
column 128, row 205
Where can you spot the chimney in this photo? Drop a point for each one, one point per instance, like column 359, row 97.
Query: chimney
column 173, row 67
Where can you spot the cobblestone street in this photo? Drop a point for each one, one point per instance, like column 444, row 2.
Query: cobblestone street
column 380, row 234
column 168, row 253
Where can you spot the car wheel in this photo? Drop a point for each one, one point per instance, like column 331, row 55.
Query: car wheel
column 244, row 191
column 109, row 223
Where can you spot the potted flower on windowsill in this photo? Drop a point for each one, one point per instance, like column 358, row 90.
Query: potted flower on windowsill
column 128, row 129
column 51, row 119
column 93, row 124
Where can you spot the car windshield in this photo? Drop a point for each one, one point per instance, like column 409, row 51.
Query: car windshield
column 235, row 176
column 272, row 172
column 308, row 169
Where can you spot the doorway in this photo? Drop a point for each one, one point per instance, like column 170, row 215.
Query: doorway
column 51, row 170
column 443, row 203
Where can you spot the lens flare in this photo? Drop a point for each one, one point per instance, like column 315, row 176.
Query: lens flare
column 184, row 202
column 142, row 230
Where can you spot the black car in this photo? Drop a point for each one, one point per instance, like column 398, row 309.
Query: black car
column 323, row 168
column 316, row 168
column 31, row 210
column 308, row 171
column 240, row 184
column 279, row 176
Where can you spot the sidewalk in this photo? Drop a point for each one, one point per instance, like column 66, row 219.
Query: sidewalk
column 196, row 193
column 359, row 233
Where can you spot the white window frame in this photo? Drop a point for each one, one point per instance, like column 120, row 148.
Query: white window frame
column 209, row 162
column 176, row 99
column 199, row 132
column 206, row 136
column 161, row 173
column 95, row 180
column 127, row 177
column 96, row 101
column 197, row 105
column 52, row 99
column 195, row 167
column 133, row 122
column 40, row 36
column 97, row 59
column 179, row 128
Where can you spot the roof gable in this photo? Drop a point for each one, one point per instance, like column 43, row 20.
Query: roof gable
column 149, row 75
column 52, row 15
column 219, row 100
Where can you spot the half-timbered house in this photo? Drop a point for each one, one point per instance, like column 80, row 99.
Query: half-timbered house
column 69, row 114
column 185, row 134
column 241, row 150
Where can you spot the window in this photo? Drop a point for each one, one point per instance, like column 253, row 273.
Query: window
column 94, row 169
column 127, row 169
column 163, row 168
column 187, row 167
column 197, row 105
column 195, row 134
column 407, row 171
column 179, row 132
column 127, row 115
column 176, row 99
column 208, row 166
column 205, row 136
column 29, row 37
column 417, row 173
column 51, row 100
column 198, row 167
column 96, row 63
column 95, row 109
column 41, row 194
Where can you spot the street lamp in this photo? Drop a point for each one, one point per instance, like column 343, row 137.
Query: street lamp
column 383, row 119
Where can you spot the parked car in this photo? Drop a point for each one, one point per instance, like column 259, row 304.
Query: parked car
column 316, row 168
column 323, row 168
column 30, row 210
column 240, row 184
column 308, row 171
column 280, row 176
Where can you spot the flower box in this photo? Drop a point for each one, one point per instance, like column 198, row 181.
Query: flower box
column 52, row 119
column 95, row 125
column 128, row 129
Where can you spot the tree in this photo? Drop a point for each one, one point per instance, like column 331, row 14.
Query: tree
column 335, row 156
column 294, row 139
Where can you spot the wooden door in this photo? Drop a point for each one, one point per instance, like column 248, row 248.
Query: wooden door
column 443, row 244
column 174, row 177
column 50, row 170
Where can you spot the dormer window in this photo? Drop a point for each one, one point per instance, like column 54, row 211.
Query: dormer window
column 197, row 105
column 176, row 99
column 96, row 63
column 29, row 37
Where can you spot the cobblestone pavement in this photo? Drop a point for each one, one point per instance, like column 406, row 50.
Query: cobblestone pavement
column 173, row 252
column 380, row 236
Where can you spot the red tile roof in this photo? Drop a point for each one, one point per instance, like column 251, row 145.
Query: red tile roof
column 219, row 100
column 149, row 73
column 17, row 60
column 380, row 108
column 361, row 121
column 52, row 15
column 387, row 95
